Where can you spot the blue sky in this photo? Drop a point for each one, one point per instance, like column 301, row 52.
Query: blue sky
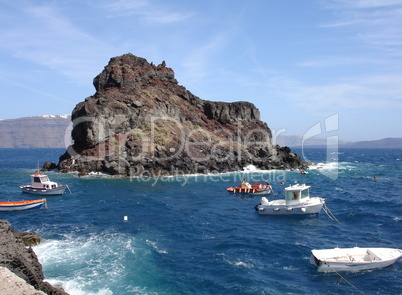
column 299, row 62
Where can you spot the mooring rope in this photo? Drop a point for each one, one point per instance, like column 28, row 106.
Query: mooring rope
column 329, row 213
column 342, row 278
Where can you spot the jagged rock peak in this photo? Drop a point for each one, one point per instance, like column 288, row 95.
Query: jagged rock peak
column 140, row 120
column 130, row 71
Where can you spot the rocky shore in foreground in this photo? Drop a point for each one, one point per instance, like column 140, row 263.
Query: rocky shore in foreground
column 23, row 264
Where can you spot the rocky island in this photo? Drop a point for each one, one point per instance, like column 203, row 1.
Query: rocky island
column 142, row 122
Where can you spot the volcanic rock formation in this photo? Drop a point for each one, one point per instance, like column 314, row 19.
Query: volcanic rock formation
column 142, row 122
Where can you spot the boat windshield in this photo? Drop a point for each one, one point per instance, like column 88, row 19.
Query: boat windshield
column 305, row 193
column 44, row 178
column 292, row 195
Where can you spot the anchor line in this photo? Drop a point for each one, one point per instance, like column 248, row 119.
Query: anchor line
column 343, row 279
column 329, row 213
column 332, row 217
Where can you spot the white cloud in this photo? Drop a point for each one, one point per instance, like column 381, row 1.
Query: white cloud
column 43, row 35
column 372, row 3
column 149, row 13
column 337, row 61
column 359, row 4
column 359, row 93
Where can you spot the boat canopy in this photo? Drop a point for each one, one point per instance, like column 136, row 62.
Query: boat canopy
column 42, row 181
column 39, row 178
column 297, row 194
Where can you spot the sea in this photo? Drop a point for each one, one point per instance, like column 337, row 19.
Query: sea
column 187, row 235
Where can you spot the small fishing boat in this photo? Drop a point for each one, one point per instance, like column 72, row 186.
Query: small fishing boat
column 22, row 205
column 251, row 188
column 41, row 185
column 297, row 201
column 353, row 259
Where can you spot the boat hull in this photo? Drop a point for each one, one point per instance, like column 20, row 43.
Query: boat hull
column 59, row 190
column 22, row 205
column 254, row 189
column 249, row 191
column 353, row 261
column 280, row 208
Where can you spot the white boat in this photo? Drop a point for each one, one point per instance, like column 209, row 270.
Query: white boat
column 353, row 259
column 41, row 185
column 297, row 201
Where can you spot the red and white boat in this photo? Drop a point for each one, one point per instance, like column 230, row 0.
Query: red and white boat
column 251, row 188
column 41, row 185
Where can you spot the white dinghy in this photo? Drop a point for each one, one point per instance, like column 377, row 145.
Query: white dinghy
column 297, row 201
column 353, row 259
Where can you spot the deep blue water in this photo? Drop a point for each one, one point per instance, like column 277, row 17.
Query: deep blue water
column 187, row 235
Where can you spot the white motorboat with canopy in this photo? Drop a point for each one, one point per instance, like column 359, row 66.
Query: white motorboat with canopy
column 297, row 201
column 41, row 185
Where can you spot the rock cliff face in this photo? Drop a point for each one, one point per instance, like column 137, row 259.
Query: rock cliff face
column 142, row 122
column 22, row 261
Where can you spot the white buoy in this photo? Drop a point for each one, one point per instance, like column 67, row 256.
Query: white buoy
column 125, row 218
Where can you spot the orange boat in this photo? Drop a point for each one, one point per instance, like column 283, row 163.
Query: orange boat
column 251, row 188
column 22, row 205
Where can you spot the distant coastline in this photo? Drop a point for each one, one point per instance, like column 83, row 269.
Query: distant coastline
column 47, row 131
column 295, row 141
column 52, row 131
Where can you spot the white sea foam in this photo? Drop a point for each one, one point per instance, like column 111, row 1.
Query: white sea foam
column 154, row 245
column 333, row 166
column 324, row 166
column 250, row 168
column 238, row 263
column 75, row 288
column 84, row 265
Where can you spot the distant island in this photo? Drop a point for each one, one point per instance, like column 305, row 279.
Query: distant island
column 47, row 131
column 375, row 144
column 319, row 142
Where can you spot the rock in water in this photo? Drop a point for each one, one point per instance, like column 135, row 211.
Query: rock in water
column 48, row 166
column 141, row 122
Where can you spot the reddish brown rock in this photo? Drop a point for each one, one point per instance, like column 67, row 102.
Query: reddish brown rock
column 141, row 121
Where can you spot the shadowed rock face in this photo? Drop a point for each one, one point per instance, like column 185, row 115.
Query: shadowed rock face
column 141, row 120
column 22, row 261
